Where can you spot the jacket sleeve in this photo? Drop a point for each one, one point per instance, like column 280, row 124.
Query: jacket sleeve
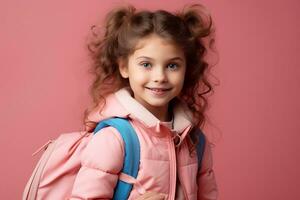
column 101, row 161
column 207, row 186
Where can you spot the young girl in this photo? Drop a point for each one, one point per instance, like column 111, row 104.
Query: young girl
column 150, row 68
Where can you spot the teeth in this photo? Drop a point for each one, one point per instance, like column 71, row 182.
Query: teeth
column 157, row 90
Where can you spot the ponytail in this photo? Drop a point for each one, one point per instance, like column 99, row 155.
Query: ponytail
column 117, row 18
column 117, row 21
column 104, row 51
column 197, row 20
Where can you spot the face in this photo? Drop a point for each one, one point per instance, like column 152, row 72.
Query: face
column 156, row 73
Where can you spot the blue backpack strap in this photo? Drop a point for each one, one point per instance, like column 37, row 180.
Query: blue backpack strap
column 132, row 153
column 200, row 146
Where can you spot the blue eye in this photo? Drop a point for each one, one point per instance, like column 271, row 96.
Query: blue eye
column 173, row 66
column 146, row 65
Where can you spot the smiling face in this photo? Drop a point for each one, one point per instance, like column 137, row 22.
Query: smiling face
column 156, row 74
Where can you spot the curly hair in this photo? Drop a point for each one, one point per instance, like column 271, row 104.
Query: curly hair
column 190, row 28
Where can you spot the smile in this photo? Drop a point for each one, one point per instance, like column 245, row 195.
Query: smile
column 158, row 91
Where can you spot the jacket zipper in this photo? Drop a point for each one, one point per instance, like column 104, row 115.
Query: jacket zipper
column 172, row 170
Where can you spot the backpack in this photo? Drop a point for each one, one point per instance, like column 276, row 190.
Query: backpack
column 55, row 172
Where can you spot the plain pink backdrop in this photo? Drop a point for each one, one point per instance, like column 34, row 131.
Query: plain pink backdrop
column 255, row 112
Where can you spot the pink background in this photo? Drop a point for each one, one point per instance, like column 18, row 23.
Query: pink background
column 254, row 114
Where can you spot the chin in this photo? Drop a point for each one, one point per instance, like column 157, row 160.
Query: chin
column 158, row 103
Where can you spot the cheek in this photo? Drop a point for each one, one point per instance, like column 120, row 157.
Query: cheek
column 178, row 79
column 181, row 83
column 137, row 76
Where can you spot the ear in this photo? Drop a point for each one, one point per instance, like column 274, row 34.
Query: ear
column 123, row 68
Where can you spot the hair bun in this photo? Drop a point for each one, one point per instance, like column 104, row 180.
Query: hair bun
column 116, row 18
column 197, row 19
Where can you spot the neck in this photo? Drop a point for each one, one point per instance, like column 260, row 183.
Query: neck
column 163, row 114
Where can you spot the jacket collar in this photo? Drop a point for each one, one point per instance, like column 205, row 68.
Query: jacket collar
column 181, row 114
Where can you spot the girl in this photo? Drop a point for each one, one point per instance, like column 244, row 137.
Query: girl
column 149, row 68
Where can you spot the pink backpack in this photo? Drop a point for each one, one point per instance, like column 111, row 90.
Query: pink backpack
column 55, row 173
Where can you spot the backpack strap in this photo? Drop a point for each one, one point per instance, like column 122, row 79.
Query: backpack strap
column 200, row 146
column 132, row 153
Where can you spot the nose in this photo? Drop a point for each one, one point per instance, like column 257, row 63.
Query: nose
column 160, row 75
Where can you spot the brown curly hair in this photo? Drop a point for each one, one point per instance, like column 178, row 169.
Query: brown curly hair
column 190, row 28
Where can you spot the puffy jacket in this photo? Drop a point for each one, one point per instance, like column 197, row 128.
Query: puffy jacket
column 164, row 167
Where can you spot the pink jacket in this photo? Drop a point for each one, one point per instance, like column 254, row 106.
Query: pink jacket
column 164, row 168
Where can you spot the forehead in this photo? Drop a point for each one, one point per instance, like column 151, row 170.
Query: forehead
column 157, row 47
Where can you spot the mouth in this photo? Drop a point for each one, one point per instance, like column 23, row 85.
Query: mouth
column 158, row 92
column 159, row 89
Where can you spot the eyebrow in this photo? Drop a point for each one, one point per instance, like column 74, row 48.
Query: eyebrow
column 175, row 58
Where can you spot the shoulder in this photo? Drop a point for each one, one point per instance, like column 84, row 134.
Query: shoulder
column 108, row 136
column 105, row 150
